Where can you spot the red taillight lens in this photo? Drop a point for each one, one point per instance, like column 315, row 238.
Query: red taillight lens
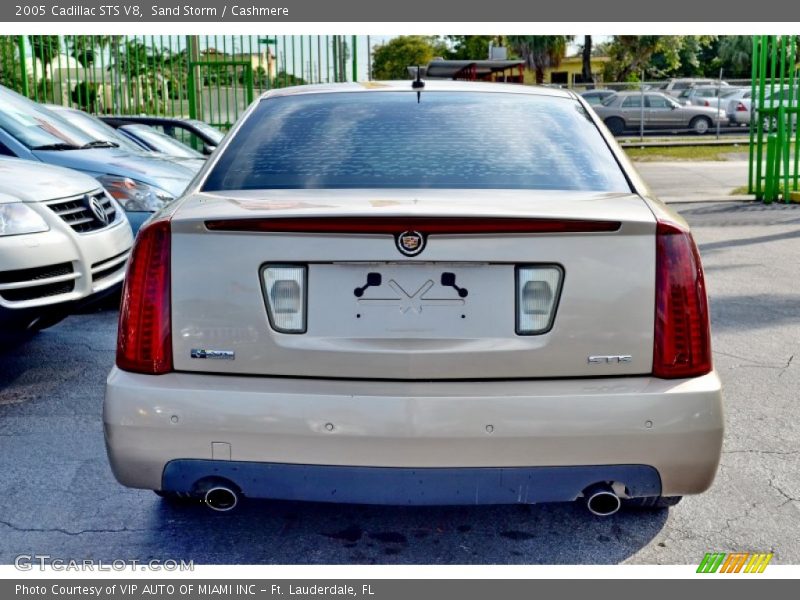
column 741, row 107
column 682, row 343
column 707, row 103
column 144, row 339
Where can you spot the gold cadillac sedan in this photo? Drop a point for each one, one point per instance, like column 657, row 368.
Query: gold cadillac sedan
column 440, row 293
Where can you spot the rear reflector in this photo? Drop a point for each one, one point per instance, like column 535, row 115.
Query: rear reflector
column 425, row 225
column 538, row 290
column 285, row 293
column 682, row 342
column 144, row 339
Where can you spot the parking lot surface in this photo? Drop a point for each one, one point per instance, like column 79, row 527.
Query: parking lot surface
column 61, row 499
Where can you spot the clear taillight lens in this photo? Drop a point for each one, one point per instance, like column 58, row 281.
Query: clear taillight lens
column 538, row 290
column 144, row 338
column 285, row 293
column 682, row 342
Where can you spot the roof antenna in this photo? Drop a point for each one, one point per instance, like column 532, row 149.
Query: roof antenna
column 418, row 84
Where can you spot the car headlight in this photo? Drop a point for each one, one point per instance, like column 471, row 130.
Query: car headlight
column 17, row 218
column 133, row 195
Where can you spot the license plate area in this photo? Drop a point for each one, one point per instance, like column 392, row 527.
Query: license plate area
column 417, row 300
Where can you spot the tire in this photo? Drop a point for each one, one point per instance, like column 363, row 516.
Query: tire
column 615, row 125
column 700, row 125
column 651, row 502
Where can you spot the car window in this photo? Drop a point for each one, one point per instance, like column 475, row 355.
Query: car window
column 160, row 141
column 707, row 93
column 632, row 101
column 681, row 85
column 654, row 101
column 685, row 93
column 477, row 140
column 608, row 101
column 35, row 126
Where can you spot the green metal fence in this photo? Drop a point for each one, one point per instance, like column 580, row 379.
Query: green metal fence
column 774, row 150
column 212, row 78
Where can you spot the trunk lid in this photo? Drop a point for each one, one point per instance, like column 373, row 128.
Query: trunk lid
column 417, row 324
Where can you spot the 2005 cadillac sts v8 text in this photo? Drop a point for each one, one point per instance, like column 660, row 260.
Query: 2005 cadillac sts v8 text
column 445, row 293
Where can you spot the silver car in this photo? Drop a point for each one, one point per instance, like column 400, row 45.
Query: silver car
column 356, row 302
column 624, row 111
column 64, row 242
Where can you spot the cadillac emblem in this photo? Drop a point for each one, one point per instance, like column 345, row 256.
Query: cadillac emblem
column 410, row 243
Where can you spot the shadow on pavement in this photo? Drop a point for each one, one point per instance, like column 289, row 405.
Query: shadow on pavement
column 737, row 312
column 263, row 531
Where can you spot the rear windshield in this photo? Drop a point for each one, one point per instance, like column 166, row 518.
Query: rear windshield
column 391, row 140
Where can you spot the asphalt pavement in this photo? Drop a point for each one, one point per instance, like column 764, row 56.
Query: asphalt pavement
column 61, row 499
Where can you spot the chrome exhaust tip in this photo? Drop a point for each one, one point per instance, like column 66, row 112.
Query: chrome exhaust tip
column 221, row 498
column 601, row 500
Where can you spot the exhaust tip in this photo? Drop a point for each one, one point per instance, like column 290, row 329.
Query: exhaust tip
column 221, row 498
column 601, row 500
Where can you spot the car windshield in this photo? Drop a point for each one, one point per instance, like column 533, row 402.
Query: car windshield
column 36, row 127
column 444, row 140
column 161, row 141
column 98, row 130
column 609, row 100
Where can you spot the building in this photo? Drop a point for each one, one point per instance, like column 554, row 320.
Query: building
column 568, row 72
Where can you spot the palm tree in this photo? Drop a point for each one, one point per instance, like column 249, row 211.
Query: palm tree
column 586, row 70
column 540, row 52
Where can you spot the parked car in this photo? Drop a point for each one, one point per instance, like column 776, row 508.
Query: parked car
column 168, row 148
column 785, row 97
column 141, row 183
column 705, row 95
column 64, row 242
column 157, row 141
column 623, row 112
column 737, row 102
column 594, row 97
column 356, row 302
column 676, row 85
column 196, row 134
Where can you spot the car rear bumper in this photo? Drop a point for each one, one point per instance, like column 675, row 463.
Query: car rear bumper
column 272, row 436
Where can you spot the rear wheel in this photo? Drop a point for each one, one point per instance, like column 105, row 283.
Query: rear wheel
column 651, row 502
column 615, row 125
column 700, row 125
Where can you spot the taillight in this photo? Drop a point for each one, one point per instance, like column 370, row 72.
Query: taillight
column 144, row 339
column 682, row 343
column 707, row 103
column 741, row 107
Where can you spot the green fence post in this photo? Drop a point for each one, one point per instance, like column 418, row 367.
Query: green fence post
column 753, row 73
column 23, row 66
column 355, row 59
column 770, row 183
column 190, row 78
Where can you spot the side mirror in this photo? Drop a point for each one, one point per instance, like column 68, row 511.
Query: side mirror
column 208, row 149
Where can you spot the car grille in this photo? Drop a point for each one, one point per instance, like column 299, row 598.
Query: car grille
column 30, row 284
column 110, row 266
column 75, row 211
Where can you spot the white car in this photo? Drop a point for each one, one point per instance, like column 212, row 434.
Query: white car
column 455, row 293
column 64, row 242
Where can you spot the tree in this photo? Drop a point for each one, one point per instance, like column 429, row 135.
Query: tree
column 586, row 54
column 45, row 47
column 469, row 47
column 284, row 79
column 656, row 55
column 84, row 47
column 736, row 55
column 392, row 59
column 540, row 52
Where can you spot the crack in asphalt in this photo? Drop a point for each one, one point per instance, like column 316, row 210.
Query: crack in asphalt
column 65, row 531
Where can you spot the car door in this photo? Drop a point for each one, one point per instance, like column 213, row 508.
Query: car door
column 631, row 110
column 660, row 112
